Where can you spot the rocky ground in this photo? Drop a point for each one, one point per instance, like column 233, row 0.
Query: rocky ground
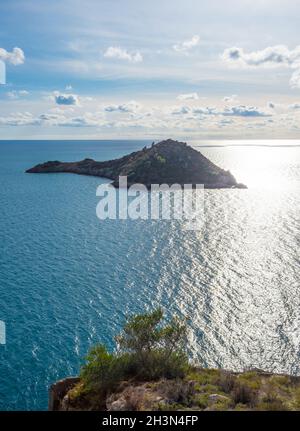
column 201, row 389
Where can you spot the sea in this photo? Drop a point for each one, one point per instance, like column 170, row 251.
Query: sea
column 68, row 280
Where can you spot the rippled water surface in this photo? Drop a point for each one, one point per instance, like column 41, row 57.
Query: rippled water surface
column 67, row 279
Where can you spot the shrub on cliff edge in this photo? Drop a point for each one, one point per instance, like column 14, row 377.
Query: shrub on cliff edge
column 147, row 349
column 155, row 349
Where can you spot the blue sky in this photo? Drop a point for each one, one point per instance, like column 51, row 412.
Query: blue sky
column 133, row 69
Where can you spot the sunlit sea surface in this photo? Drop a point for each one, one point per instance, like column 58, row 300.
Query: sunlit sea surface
column 67, row 279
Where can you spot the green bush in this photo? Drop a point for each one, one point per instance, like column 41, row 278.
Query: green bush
column 156, row 350
column 147, row 350
column 103, row 370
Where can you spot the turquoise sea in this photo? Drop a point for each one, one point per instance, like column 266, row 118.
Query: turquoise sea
column 67, row 279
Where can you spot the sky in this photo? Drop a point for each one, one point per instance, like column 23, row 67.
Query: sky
column 111, row 69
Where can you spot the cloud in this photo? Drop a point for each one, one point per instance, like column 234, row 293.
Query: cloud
column 14, row 94
column 50, row 119
column 15, row 57
column 187, row 45
column 180, row 110
column 123, row 54
column 225, row 122
column 87, row 119
column 278, row 55
column 295, row 79
column 294, row 106
column 232, row 111
column 66, row 99
column 230, row 99
column 283, row 107
column 87, row 99
column 206, row 110
column 19, row 119
column 132, row 115
column 130, row 107
column 189, row 96
column 244, row 111
column 272, row 56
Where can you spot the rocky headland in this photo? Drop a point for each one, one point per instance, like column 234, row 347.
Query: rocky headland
column 167, row 162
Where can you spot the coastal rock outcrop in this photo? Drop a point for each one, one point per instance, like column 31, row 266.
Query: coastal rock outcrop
column 58, row 391
column 208, row 390
column 167, row 162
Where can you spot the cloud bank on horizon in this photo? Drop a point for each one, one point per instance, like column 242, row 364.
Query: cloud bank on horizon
column 159, row 69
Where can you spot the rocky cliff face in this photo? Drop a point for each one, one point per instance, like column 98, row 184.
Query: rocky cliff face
column 168, row 162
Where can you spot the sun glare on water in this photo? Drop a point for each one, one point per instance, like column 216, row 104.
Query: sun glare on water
column 260, row 164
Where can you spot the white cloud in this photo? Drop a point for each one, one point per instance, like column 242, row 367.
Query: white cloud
column 188, row 96
column 244, row 111
column 129, row 107
column 278, row 55
column 294, row 106
column 230, row 99
column 272, row 56
column 19, row 119
column 16, row 94
column 61, row 111
column 232, row 111
column 87, row 99
column 283, row 107
column 187, row 45
column 15, row 57
column 66, row 99
column 54, row 119
column 225, row 122
column 180, row 110
column 206, row 110
column 295, row 79
column 123, row 54
column 133, row 116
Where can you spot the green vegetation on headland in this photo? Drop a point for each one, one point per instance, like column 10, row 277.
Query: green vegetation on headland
column 150, row 371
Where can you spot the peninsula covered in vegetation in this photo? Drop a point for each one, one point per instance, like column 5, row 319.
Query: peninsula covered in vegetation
column 149, row 370
column 167, row 162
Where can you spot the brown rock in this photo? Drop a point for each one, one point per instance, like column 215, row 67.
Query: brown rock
column 58, row 390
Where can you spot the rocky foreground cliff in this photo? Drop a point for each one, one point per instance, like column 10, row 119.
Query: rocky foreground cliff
column 201, row 389
column 167, row 162
column 150, row 371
